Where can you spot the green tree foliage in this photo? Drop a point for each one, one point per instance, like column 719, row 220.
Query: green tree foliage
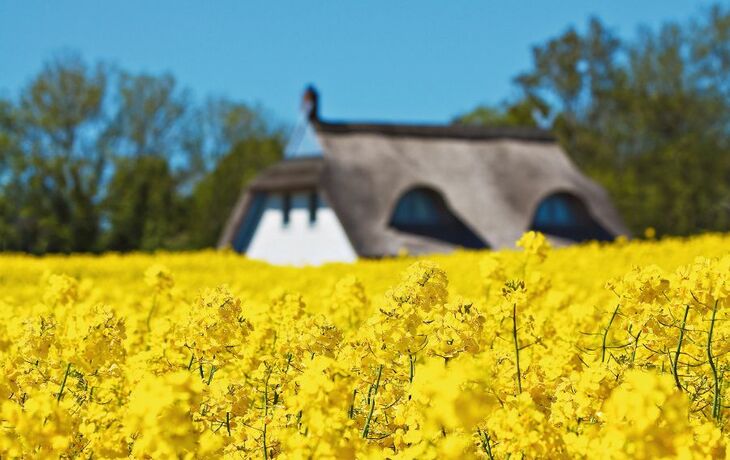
column 239, row 143
column 150, row 116
column 523, row 113
column 217, row 193
column 148, row 133
column 649, row 119
column 9, row 155
column 143, row 207
column 55, row 175
column 94, row 159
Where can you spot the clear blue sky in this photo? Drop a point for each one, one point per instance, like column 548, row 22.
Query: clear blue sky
column 397, row 60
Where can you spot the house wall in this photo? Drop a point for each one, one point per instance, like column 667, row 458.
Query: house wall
column 299, row 242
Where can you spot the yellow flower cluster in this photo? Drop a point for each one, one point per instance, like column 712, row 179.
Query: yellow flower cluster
column 611, row 351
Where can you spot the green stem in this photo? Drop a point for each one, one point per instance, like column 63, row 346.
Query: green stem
column 352, row 405
column 212, row 371
column 371, row 399
column 63, row 383
column 151, row 312
column 377, row 382
column 605, row 333
column 266, row 412
column 636, row 347
column 675, row 364
column 374, row 387
column 710, row 359
column 517, row 347
column 486, row 444
column 412, row 370
column 266, row 393
column 366, row 428
column 266, row 450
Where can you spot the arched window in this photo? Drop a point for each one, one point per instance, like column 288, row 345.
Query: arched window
column 422, row 211
column 565, row 216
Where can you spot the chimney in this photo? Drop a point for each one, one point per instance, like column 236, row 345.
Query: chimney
column 310, row 103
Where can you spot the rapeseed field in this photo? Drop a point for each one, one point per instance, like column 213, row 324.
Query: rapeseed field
column 594, row 351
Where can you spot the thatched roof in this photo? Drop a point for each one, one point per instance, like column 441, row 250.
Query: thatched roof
column 294, row 174
column 492, row 179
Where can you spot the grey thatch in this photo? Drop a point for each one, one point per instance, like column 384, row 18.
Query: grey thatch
column 492, row 179
column 296, row 174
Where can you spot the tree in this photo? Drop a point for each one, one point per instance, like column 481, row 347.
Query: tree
column 92, row 158
column 142, row 206
column 648, row 119
column 150, row 116
column 147, row 135
column 10, row 155
column 57, row 179
column 240, row 142
column 522, row 113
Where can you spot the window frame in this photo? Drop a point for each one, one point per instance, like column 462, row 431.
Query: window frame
column 286, row 209
column 313, row 207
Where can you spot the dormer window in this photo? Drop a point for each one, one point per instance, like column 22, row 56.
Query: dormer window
column 566, row 216
column 423, row 211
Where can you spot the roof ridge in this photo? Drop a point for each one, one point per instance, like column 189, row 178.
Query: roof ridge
column 437, row 130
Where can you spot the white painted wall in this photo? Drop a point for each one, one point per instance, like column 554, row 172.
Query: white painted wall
column 299, row 242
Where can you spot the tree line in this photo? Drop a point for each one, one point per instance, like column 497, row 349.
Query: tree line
column 647, row 118
column 95, row 158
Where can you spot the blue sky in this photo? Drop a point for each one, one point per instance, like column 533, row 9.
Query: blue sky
column 390, row 60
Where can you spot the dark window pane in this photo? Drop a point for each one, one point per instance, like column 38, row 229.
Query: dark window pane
column 565, row 216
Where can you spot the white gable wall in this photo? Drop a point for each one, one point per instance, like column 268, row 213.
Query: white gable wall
column 299, row 242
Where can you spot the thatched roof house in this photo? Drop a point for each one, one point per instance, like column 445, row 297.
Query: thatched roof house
column 370, row 190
